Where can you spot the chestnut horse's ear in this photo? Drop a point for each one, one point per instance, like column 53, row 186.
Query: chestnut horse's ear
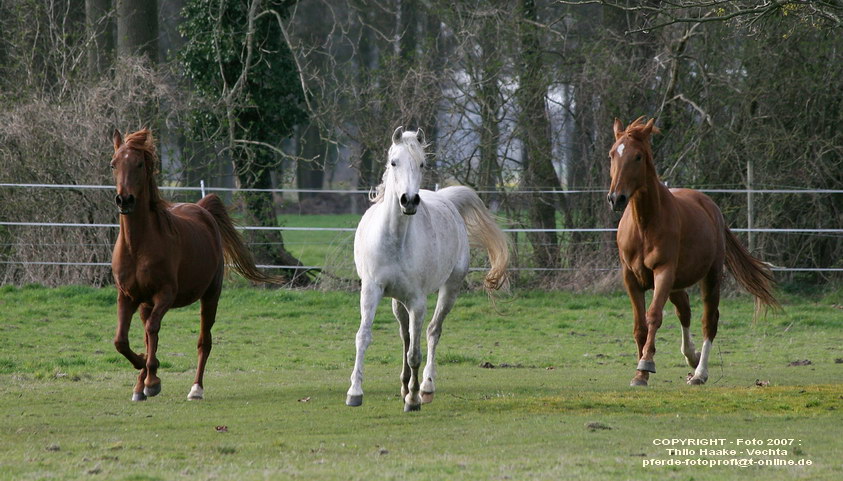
column 396, row 136
column 117, row 139
column 617, row 127
column 650, row 128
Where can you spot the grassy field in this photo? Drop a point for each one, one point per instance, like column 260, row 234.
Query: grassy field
column 556, row 406
column 315, row 248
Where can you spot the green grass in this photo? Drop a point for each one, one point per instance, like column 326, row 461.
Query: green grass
column 65, row 411
column 319, row 248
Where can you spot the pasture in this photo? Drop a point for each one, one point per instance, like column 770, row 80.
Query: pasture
column 556, row 405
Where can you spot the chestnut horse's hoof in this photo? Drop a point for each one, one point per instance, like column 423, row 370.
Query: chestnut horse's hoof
column 636, row 381
column 408, row 408
column 354, row 400
column 196, row 393
column 153, row 390
column 426, row 397
column 138, row 396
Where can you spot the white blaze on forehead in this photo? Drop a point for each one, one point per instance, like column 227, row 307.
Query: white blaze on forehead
column 620, row 148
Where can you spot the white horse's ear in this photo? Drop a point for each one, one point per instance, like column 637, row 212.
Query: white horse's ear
column 396, row 136
column 420, row 135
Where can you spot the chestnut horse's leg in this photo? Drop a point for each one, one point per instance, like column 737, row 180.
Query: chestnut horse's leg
column 208, row 315
column 161, row 304
column 683, row 311
column 137, row 392
column 125, row 310
column 636, row 296
column 663, row 281
column 403, row 318
column 710, row 290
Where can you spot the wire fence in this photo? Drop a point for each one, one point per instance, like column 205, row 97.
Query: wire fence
column 339, row 230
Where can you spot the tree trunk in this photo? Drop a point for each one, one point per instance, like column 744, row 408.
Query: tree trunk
column 267, row 246
column 310, row 166
column 538, row 171
column 488, row 96
column 366, row 74
column 137, row 28
column 98, row 25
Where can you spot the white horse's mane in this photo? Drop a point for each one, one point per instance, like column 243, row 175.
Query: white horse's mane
column 410, row 139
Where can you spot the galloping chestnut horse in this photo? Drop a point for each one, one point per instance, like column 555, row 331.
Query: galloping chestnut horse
column 669, row 240
column 167, row 255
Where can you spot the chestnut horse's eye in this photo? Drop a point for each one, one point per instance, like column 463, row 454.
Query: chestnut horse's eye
column 638, row 158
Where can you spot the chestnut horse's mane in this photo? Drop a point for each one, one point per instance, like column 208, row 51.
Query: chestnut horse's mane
column 637, row 130
column 143, row 142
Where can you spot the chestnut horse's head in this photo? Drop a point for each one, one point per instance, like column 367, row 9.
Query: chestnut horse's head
column 632, row 160
column 134, row 163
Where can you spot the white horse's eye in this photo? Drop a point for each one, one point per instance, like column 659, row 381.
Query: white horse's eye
column 392, row 163
column 423, row 165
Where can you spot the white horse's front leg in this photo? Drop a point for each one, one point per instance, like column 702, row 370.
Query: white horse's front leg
column 370, row 296
column 447, row 297
column 403, row 318
column 412, row 401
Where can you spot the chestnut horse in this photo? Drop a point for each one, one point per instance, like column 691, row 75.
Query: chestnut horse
column 167, row 255
column 669, row 240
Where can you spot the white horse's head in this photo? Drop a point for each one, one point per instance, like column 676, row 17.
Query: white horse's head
column 405, row 168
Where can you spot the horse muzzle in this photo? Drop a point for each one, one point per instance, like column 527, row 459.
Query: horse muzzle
column 618, row 201
column 409, row 204
column 125, row 203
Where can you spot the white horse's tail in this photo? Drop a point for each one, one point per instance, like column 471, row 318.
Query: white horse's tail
column 482, row 231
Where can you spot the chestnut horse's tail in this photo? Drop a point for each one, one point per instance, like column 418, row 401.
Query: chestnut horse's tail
column 237, row 256
column 483, row 230
column 754, row 275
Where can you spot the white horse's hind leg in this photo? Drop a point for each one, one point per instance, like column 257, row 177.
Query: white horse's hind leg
column 403, row 318
column 447, row 297
column 370, row 296
column 412, row 401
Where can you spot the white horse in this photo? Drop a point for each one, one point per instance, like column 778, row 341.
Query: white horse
column 410, row 243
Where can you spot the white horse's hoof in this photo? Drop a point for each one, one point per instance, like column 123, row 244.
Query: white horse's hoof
column 426, row 397
column 354, row 400
column 408, row 408
column 153, row 390
column 196, row 393
column 138, row 396
column 696, row 381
